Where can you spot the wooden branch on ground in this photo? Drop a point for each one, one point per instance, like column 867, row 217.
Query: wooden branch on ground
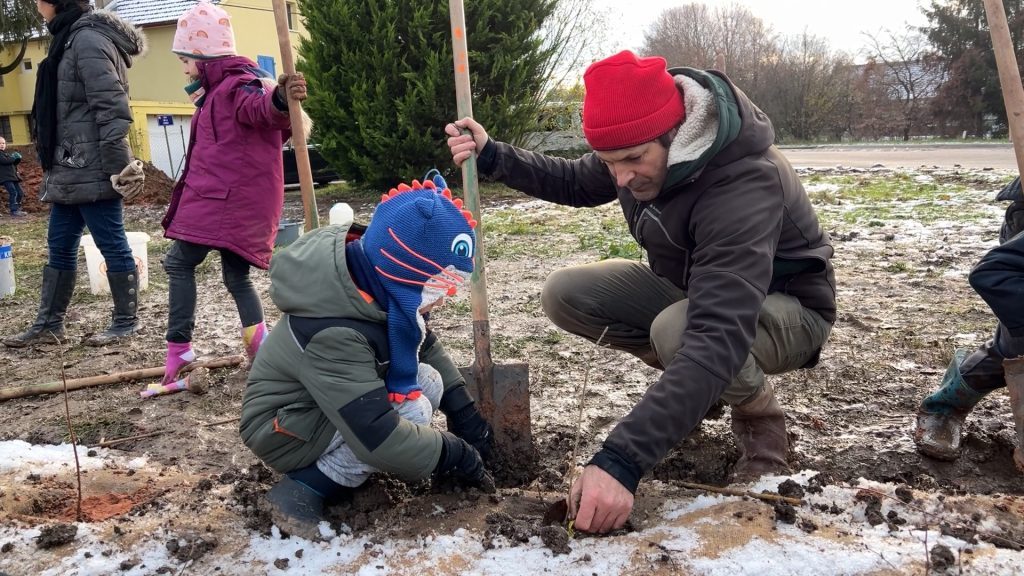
column 116, row 441
column 115, row 378
column 768, row 497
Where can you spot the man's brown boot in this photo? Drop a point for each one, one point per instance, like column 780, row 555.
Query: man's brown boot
column 759, row 425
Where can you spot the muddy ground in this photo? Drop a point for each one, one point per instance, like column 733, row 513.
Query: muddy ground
column 904, row 241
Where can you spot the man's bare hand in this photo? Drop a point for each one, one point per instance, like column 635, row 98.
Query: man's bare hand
column 462, row 145
column 598, row 502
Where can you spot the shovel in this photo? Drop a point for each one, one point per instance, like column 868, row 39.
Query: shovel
column 1013, row 99
column 502, row 390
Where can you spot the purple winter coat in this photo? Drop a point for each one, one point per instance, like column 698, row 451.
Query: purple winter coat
column 231, row 192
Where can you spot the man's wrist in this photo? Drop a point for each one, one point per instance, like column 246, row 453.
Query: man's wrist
column 618, row 466
column 488, row 155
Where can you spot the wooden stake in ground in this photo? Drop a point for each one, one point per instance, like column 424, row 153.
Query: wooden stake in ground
column 284, row 41
column 71, row 430
column 115, row 378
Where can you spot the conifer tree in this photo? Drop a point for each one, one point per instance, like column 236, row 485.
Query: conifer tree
column 382, row 85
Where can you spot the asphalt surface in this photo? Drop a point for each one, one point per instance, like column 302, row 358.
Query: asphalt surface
column 970, row 156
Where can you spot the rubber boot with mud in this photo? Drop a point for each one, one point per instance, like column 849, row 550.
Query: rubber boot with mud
column 1014, row 374
column 296, row 508
column 58, row 286
column 124, row 287
column 759, row 426
column 940, row 419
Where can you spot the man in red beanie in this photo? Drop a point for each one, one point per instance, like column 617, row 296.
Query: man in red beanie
column 739, row 281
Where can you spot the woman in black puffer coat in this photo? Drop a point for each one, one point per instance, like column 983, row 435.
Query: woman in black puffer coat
column 80, row 122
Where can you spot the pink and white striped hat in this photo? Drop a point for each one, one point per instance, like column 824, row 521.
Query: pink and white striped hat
column 204, row 31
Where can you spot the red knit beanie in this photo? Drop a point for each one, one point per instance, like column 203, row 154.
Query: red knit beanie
column 629, row 101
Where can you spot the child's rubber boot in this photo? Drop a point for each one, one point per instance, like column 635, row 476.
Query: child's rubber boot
column 296, row 508
column 940, row 419
column 253, row 337
column 179, row 355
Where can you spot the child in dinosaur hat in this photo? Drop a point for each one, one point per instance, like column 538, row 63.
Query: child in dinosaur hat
column 347, row 382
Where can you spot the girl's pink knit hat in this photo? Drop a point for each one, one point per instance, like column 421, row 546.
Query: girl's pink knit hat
column 204, row 31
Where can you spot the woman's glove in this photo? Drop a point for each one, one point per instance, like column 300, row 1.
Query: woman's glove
column 130, row 182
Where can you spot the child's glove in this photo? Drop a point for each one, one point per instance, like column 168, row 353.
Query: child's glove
column 16, row 155
column 130, row 181
column 465, row 421
column 462, row 461
column 291, row 85
column 470, row 425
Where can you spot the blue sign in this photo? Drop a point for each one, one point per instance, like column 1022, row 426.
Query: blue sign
column 165, row 120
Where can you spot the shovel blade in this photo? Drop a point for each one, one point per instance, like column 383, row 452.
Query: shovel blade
column 506, row 405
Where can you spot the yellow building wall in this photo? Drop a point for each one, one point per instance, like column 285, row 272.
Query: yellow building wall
column 156, row 81
column 18, row 90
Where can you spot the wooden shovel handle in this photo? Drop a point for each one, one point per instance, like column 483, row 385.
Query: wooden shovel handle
column 1009, row 76
column 471, row 188
column 284, row 40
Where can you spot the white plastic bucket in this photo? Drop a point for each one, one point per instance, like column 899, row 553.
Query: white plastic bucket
column 139, row 243
column 6, row 268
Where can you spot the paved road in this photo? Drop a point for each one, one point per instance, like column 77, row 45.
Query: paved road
column 979, row 156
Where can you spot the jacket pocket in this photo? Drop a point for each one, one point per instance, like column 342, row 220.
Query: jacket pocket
column 215, row 194
column 299, row 420
column 72, row 154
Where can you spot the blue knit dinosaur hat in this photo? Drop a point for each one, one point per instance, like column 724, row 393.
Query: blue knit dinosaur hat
column 421, row 243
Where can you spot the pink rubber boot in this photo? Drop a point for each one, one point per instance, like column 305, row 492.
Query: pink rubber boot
column 253, row 337
column 178, row 356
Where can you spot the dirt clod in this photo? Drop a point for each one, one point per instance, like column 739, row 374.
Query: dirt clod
column 791, row 489
column 784, row 512
column 127, row 565
column 204, row 485
column 872, row 508
column 941, row 558
column 7, row 547
column 191, row 546
column 556, row 539
column 281, row 563
column 56, row 535
column 905, row 494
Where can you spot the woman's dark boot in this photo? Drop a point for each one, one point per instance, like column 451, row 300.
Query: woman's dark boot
column 58, row 286
column 124, row 287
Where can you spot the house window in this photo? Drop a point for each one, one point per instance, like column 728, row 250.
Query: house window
column 266, row 63
column 290, row 10
column 26, row 65
column 5, row 128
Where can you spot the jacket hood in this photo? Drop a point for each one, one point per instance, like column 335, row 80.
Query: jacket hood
column 128, row 38
column 743, row 129
column 310, row 278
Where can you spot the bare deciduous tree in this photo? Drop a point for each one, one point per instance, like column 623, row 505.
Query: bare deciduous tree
column 905, row 68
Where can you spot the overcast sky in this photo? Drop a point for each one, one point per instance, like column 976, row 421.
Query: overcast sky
column 841, row 23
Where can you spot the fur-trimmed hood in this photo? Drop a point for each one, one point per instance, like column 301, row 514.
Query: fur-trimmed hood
column 128, row 38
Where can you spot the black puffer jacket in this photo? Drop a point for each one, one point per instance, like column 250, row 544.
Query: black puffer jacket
column 9, row 167
column 93, row 115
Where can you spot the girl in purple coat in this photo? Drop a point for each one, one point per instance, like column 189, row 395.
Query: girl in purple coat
column 230, row 195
